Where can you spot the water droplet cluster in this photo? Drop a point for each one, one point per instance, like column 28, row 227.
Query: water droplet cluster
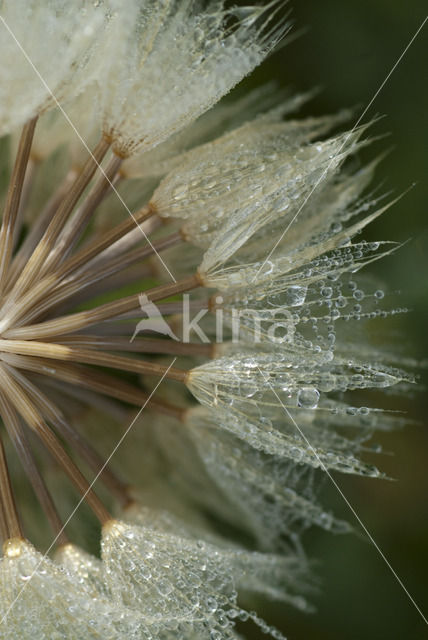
column 181, row 585
column 50, row 602
column 143, row 41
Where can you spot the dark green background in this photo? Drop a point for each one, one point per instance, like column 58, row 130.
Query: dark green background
column 348, row 49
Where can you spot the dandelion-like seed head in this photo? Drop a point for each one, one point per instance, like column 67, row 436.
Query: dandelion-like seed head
column 254, row 211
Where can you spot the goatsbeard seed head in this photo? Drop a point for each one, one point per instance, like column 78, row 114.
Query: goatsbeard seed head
column 246, row 216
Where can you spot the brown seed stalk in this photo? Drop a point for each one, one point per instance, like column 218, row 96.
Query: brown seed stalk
column 17, row 435
column 83, row 319
column 12, row 526
column 48, row 240
column 16, row 394
column 13, row 199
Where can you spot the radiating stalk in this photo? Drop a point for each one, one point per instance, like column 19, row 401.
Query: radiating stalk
column 13, row 199
column 139, row 345
column 4, row 530
column 38, row 301
column 54, row 416
column 20, row 442
column 97, row 381
column 12, row 524
column 34, row 420
column 83, row 319
column 30, row 174
column 87, row 356
column 116, row 282
column 38, row 257
column 37, row 229
column 106, row 240
column 130, row 239
column 78, row 222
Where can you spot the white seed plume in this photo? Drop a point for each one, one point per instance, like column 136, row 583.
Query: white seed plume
column 270, row 493
column 246, row 395
column 86, row 570
column 277, row 576
column 181, row 583
column 237, row 185
column 288, row 298
column 46, row 603
column 276, row 272
column 54, row 130
column 55, row 29
column 225, row 116
column 143, row 102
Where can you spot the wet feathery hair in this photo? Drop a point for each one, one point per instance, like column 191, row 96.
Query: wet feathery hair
column 258, row 214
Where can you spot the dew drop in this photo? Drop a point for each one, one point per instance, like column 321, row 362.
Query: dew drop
column 363, row 411
column 308, row 398
column 326, row 292
column 358, row 294
column 336, row 227
column 295, row 295
column 179, row 192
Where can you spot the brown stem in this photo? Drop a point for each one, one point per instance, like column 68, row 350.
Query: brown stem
column 49, row 411
column 77, row 321
column 105, row 241
column 130, row 239
column 117, row 327
column 23, row 449
column 86, row 356
column 6, row 497
column 106, row 327
column 76, row 225
column 4, row 530
column 96, row 381
column 139, row 345
column 174, row 308
column 102, row 270
column 113, row 283
column 49, row 238
column 77, row 283
column 30, row 174
column 38, row 228
column 83, row 396
column 13, row 198
column 32, row 417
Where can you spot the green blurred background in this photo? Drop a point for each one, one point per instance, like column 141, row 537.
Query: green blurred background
column 348, row 47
